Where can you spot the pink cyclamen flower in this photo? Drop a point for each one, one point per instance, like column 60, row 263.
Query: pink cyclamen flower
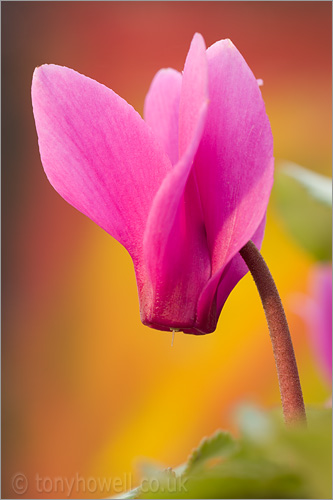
column 182, row 190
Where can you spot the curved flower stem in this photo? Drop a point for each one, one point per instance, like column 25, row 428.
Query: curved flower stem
column 290, row 387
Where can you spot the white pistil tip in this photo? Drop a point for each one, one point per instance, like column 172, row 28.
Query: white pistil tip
column 174, row 330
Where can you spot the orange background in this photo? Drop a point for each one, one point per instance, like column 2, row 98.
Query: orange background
column 87, row 389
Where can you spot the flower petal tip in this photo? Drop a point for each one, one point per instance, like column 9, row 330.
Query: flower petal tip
column 198, row 39
column 40, row 69
column 36, row 73
column 43, row 71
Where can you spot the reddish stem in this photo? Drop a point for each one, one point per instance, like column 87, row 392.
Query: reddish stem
column 290, row 387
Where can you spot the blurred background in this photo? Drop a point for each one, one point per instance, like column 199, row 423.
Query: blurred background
column 87, row 390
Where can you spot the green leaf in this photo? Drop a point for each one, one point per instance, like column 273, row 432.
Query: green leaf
column 210, row 451
column 317, row 185
column 301, row 199
column 267, row 461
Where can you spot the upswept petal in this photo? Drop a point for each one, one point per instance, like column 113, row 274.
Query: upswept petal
column 233, row 164
column 161, row 110
column 97, row 152
column 194, row 91
column 175, row 246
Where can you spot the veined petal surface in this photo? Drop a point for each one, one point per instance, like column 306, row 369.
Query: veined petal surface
column 194, row 91
column 97, row 152
column 234, row 171
column 161, row 110
column 175, row 246
column 234, row 163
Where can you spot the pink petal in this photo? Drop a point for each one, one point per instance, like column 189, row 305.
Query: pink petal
column 234, row 170
column 161, row 110
column 97, row 152
column 234, row 163
column 321, row 320
column 236, row 269
column 176, row 252
column 222, row 283
column 194, row 91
